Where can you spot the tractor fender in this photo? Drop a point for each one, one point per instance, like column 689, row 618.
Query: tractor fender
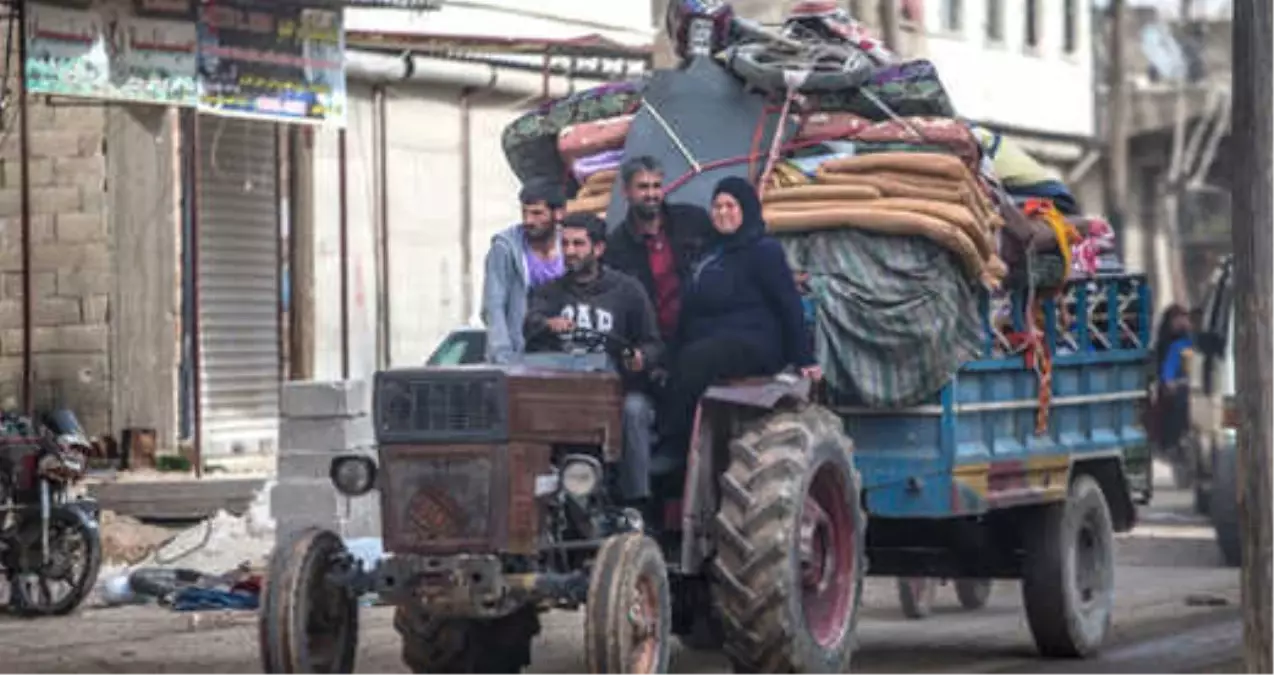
column 766, row 393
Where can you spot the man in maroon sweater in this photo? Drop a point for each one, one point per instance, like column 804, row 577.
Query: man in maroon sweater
column 658, row 241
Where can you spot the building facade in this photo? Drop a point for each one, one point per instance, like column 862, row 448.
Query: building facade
column 426, row 184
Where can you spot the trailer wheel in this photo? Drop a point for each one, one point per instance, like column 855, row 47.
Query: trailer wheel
column 1069, row 572
column 788, row 575
column 1225, row 506
column 308, row 622
column 438, row 645
column 915, row 595
column 973, row 593
column 628, row 617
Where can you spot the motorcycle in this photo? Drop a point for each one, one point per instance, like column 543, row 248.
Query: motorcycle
column 50, row 540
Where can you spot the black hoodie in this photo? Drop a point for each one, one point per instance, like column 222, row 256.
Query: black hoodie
column 613, row 303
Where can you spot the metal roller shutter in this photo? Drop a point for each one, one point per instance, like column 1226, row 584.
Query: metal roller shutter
column 238, row 286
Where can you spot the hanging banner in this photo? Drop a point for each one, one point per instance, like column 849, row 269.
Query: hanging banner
column 283, row 63
column 110, row 53
column 67, row 52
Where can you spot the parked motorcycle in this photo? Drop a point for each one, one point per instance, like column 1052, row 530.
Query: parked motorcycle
column 50, row 542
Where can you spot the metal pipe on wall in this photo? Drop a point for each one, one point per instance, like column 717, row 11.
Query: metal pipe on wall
column 381, row 179
column 466, row 202
column 196, row 351
column 343, row 169
column 24, row 150
column 280, row 243
column 377, row 68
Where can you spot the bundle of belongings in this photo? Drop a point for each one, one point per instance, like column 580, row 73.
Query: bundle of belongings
column 899, row 216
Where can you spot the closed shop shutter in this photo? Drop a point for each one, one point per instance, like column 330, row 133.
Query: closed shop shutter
column 238, row 286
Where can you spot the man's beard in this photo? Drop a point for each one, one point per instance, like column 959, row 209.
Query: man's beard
column 645, row 210
column 581, row 268
column 537, row 234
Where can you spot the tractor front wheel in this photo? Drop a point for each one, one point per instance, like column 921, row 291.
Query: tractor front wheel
column 308, row 621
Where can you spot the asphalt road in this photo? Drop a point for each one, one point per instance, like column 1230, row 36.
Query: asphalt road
column 1176, row 611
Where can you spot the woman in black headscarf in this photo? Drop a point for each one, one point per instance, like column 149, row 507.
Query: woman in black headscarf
column 741, row 313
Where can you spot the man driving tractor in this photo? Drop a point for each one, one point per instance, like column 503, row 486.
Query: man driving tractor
column 598, row 309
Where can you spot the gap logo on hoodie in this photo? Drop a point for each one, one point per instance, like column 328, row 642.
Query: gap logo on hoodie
column 587, row 318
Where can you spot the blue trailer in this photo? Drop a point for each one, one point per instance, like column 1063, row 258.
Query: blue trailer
column 979, row 482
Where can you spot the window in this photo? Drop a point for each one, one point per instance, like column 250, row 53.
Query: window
column 1070, row 33
column 994, row 21
column 1032, row 24
column 953, row 16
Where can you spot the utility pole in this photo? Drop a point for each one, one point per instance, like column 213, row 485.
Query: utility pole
column 889, row 26
column 1117, row 135
column 1253, row 221
column 301, row 248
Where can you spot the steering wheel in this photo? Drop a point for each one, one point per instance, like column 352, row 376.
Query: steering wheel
column 578, row 334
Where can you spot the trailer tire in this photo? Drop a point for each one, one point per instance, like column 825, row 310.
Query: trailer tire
column 1068, row 572
column 437, row 645
column 788, row 574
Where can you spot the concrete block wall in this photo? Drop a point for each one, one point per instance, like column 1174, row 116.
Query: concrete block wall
column 319, row 421
column 72, row 270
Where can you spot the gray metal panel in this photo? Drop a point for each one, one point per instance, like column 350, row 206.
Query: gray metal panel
column 238, row 286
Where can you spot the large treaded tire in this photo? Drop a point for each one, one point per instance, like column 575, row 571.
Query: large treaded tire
column 434, row 645
column 629, row 574
column 1063, row 543
column 758, row 586
column 1225, row 505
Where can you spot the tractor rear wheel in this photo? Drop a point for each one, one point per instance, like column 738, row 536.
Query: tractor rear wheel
column 788, row 575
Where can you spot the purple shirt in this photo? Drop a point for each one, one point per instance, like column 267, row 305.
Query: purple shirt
column 540, row 271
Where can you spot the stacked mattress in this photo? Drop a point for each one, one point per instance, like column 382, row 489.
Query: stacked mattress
column 902, row 215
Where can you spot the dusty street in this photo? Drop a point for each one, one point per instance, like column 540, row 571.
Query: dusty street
column 1177, row 611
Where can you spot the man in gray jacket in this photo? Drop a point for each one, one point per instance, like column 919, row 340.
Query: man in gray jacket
column 522, row 257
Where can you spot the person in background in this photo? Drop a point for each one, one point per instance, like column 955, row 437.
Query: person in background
column 657, row 241
column 603, row 302
column 521, row 257
column 1174, row 346
column 741, row 313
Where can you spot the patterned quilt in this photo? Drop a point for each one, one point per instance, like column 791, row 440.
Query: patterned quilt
column 894, row 316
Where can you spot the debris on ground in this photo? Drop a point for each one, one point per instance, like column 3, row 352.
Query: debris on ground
column 220, row 549
column 128, row 541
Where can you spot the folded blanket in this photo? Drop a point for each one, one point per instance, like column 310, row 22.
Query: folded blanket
column 585, row 167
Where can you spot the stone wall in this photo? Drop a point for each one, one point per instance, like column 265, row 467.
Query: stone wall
column 72, row 271
column 321, row 420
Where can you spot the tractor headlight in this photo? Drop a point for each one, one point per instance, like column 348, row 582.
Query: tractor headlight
column 353, row 475
column 581, row 475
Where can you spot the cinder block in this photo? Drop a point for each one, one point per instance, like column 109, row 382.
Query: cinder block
column 324, row 433
column 324, row 399
column 310, row 499
column 312, row 465
column 286, row 527
column 362, row 516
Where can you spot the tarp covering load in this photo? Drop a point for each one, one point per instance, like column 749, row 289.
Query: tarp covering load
column 895, row 319
column 899, row 214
